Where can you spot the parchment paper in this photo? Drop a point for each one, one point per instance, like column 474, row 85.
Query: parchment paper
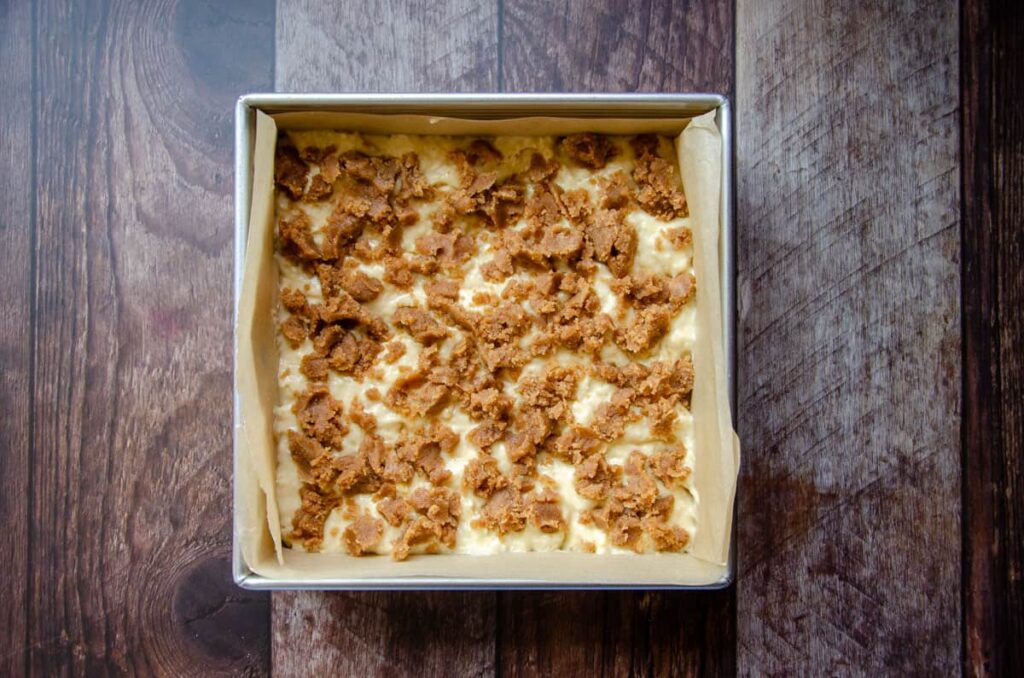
column 716, row 457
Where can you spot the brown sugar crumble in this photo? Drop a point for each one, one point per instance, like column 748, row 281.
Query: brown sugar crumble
column 475, row 333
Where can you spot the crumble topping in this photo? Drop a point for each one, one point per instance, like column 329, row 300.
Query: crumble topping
column 485, row 344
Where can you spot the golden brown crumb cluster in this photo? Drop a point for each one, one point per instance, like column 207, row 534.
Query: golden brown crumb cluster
column 509, row 355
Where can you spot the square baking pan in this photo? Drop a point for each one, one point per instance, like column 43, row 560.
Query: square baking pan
column 478, row 106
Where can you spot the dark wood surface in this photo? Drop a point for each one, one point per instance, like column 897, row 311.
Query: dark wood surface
column 848, row 214
column 17, row 243
column 117, row 273
column 880, row 156
column 993, row 349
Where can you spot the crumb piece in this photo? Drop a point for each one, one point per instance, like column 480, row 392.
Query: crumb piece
column 360, row 416
column 420, row 324
column 499, row 267
column 575, row 444
column 499, row 329
column 290, row 171
column 415, row 396
column 681, row 237
column 412, row 184
column 422, row 450
column 319, row 415
column 660, row 193
column 666, row 537
column 347, row 474
column 444, row 288
column 682, row 288
column 454, row 312
column 294, row 329
column 541, row 169
column 594, row 478
column 504, row 512
column 545, row 511
column 616, row 192
column 647, row 327
column 422, row 530
column 610, row 418
column 319, row 190
column 614, row 241
column 341, row 231
column 483, row 477
column 483, row 298
column 662, row 509
column 362, row 535
column 439, row 510
column 361, row 287
column 480, row 194
column 670, row 466
column 295, row 239
column 394, row 510
column 588, row 149
column 304, row 449
column 343, row 308
column 393, row 351
column 314, row 367
column 489, row 403
column 308, row 521
column 483, row 152
column 449, row 249
column 330, row 168
column 662, row 416
column 639, row 491
column 295, row 302
column 487, row 433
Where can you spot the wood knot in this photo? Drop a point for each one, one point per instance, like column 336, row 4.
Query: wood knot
column 220, row 620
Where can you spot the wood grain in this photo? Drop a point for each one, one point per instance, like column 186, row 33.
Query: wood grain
column 610, row 46
column 130, row 543
column 614, row 46
column 417, row 46
column 16, row 277
column 397, row 633
column 616, row 634
column 387, row 46
column 115, row 262
column 993, row 294
column 850, row 346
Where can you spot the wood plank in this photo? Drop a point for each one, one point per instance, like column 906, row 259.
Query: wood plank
column 616, row 634
column 16, row 273
column 609, row 46
column 386, row 46
column 131, row 470
column 848, row 163
column 993, row 293
column 382, row 633
column 415, row 46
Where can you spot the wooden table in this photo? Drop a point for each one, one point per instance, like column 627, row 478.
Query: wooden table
column 879, row 162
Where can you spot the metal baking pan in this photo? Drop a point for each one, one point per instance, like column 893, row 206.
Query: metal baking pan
column 482, row 106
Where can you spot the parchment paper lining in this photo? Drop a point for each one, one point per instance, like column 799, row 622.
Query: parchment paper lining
column 716, row 459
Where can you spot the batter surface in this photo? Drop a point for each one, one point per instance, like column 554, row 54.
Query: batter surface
column 484, row 344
